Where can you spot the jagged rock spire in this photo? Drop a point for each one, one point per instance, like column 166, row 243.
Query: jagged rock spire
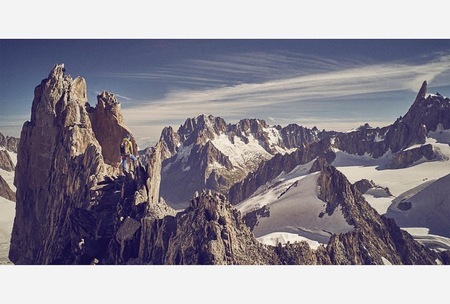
column 64, row 152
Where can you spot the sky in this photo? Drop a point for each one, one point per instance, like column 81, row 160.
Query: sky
column 334, row 84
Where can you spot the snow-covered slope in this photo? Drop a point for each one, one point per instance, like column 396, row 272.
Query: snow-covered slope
column 294, row 209
column 427, row 206
column 7, row 213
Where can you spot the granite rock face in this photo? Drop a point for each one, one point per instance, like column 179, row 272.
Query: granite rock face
column 59, row 161
column 107, row 121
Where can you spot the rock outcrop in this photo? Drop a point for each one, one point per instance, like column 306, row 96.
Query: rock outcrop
column 108, row 125
column 5, row 190
column 61, row 161
column 209, row 232
column 407, row 158
column 6, row 162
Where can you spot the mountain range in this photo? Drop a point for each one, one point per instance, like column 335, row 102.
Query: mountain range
column 213, row 192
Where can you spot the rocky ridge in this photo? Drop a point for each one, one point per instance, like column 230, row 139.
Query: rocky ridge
column 9, row 143
column 374, row 239
column 404, row 140
column 427, row 113
column 212, row 154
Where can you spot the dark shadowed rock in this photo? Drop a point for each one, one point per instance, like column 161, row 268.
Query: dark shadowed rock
column 409, row 157
column 363, row 185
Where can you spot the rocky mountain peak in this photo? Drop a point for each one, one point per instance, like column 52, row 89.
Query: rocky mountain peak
column 57, row 72
column 9, row 143
column 6, row 162
column 109, row 128
column 422, row 92
column 200, row 129
column 65, row 152
column 171, row 140
column 428, row 113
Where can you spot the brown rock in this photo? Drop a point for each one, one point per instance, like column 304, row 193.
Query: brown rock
column 108, row 125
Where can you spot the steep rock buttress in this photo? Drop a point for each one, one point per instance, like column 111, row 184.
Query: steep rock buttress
column 62, row 157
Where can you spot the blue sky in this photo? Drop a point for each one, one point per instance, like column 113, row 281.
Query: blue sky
column 329, row 83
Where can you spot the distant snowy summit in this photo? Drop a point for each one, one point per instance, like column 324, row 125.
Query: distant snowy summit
column 207, row 152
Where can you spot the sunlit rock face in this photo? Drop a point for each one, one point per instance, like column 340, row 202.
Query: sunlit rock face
column 64, row 152
column 108, row 126
column 59, row 160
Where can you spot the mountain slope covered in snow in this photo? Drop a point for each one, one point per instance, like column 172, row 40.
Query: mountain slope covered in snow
column 405, row 182
column 8, row 161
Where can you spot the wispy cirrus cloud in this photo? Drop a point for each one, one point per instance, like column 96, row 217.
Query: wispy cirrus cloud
column 235, row 69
